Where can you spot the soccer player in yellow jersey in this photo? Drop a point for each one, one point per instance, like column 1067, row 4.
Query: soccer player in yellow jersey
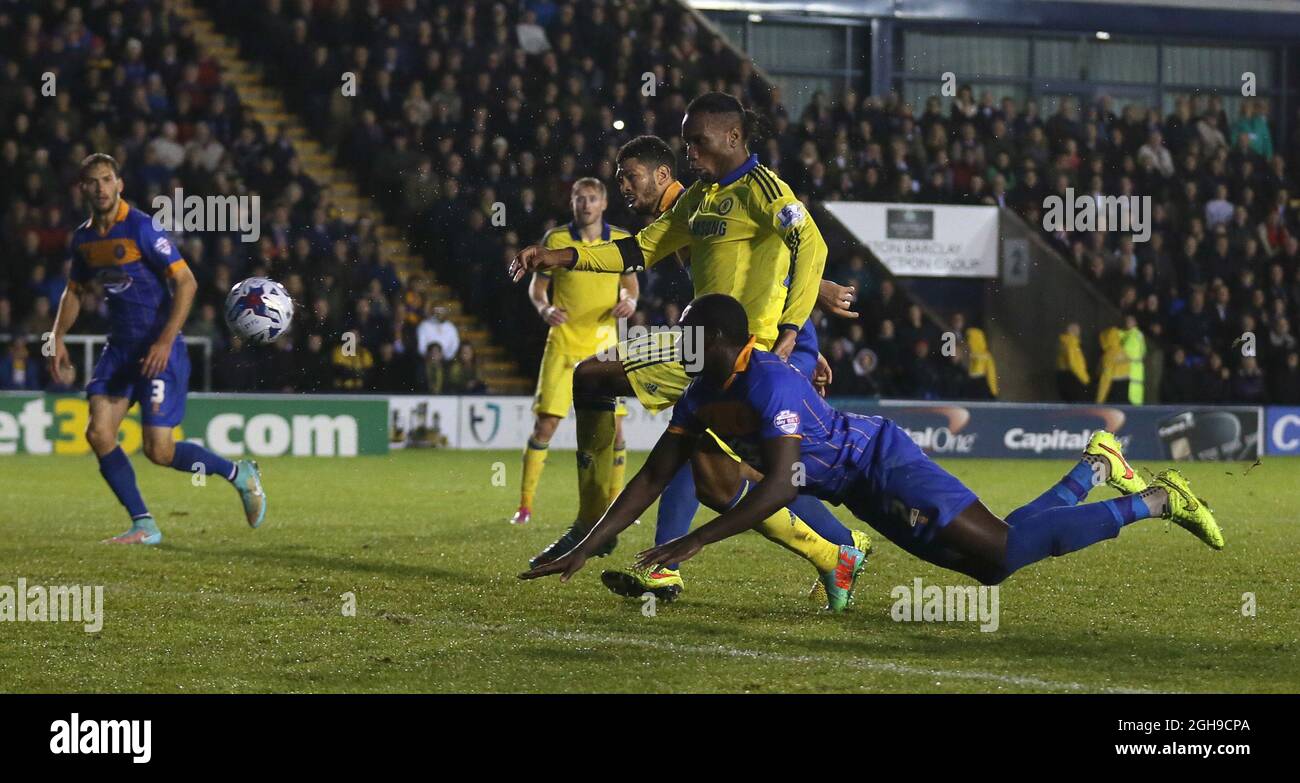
column 580, row 308
column 748, row 237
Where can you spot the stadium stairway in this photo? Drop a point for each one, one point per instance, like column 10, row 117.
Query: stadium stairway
column 1019, row 326
column 265, row 104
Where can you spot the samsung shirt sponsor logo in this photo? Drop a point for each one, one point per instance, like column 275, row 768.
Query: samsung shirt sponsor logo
column 709, row 228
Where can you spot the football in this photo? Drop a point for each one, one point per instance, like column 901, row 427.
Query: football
column 259, row 310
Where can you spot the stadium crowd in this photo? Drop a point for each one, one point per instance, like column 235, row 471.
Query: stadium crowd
column 469, row 124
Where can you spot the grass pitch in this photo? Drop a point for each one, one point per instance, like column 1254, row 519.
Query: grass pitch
column 420, row 539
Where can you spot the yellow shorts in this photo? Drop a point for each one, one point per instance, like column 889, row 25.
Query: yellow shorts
column 555, row 384
column 654, row 369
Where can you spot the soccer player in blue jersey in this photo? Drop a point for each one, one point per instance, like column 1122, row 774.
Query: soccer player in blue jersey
column 137, row 266
column 769, row 414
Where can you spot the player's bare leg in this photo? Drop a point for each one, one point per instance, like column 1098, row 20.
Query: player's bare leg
column 102, row 427
column 534, row 459
column 162, row 449
column 597, row 384
column 105, row 421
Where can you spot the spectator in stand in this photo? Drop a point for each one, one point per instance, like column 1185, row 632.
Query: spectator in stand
column 1284, row 386
column 1253, row 125
column 921, row 379
column 235, row 369
column 435, row 369
column 863, row 382
column 1134, row 345
column 204, row 323
column 7, row 325
column 41, row 320
column 462, row 375
column 17, row 369
column 315, row 371
column 982, row 383
column 1155, row 157
column 437, row 329
column 1113, row 375
column 352, row 365
column 1071, row 369
column 1248, row 383
column 1180, row 378
column 1214, row 384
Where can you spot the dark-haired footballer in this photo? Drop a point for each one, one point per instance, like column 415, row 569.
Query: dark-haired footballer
column 149, row 289
column 770, row 415
column 748, row 236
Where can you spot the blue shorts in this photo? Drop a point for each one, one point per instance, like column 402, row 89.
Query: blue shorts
column 162, row 399
column 906, row 496
column 804, row 356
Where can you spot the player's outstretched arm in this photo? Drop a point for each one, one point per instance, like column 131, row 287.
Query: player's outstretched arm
column 186, row 287
column 776, row 491
column 536, row 258
column 671, row 452
column 69, row 309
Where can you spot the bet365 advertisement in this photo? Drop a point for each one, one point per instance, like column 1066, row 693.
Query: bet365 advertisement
column 344, row 426
column 233, row 425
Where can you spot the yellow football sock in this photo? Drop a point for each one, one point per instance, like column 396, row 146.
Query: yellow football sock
column 617, row 471
column 595, row 431
column 787, row 529
column 534, row 460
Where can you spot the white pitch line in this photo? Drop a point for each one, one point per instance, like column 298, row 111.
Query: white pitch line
column 662, row 645
column 855, row 662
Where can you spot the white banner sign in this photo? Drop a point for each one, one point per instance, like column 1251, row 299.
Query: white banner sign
column 925, row 240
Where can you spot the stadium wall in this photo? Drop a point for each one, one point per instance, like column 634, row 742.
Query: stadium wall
column 353, row 425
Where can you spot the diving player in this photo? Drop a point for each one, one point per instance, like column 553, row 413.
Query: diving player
column 144, row 361
column 581, row 311
column 749, row 236
column 647, row 182
column 769, row 413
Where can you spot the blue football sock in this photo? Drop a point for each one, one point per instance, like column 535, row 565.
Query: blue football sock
column 117, row 471
column 187, row 455
column 1069, row 491
column 818, row 517
column 677, row 507
column 1059, row 531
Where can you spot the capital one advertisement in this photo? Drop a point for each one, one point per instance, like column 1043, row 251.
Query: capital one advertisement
column 1158, row 432
column 1282, row 429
